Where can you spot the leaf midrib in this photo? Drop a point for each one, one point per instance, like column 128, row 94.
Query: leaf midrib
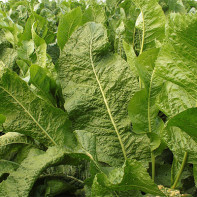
column 106, row 103
column 31, row 116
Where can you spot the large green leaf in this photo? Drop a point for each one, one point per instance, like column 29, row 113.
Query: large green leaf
column 97, row 88
column 67, row 25
column 176, row 64
column 153, row 23
column 131, row 176
column 20, row 182
column 27, row 114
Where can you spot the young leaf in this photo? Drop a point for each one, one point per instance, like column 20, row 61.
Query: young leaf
column 27, row 114
column 67, row 25
column 97, row 88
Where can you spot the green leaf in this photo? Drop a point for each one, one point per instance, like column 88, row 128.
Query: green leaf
column 67, row 25
column 176, row 64
column 40, row 48
column 23, row 66
column 174, row 99
column 95, row 13
column 26, row 49
column 27, row 114
column 131, row 56
column 186, row 121
column 96, row 100
column 11, row 142
column 142, row 109
column 20, row 182
column 45, row 84
column 177, row 132
column 131, row 176
column 2, row 119
column 8, row 57
column 7, row 167
column 153, row 23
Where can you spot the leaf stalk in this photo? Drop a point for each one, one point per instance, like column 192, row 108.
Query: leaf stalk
column 180, row 171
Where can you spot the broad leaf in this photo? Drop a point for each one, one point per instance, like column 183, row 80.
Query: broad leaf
column 97, row 88
column 27, row 114
column 131, row 176
column 153, row 23
column 67, row 25
column 20, row 182
column 176, row 64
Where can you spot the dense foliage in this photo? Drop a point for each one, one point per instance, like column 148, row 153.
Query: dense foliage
column 98, row 98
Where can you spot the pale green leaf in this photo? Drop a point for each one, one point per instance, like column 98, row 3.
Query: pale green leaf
column 153, row 23
column 131, row 56
column 67, row 25
column 40, row 48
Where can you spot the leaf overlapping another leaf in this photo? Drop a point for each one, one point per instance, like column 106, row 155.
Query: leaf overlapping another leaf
column 27, row 114
column 97, row 86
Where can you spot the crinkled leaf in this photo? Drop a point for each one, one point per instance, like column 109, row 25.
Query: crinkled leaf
column 131, row 176
column 67, row 25
column 20, row 182
column 46, row 85
column 177, row 134
column 40, row 48
column 27, row 114
column 94, row 13
column 176, row 64
column 26, row 49
column 7, row 167
column 11, row 142
column 96, row 100
column 131, row 56
column 153, row 23
column 174, row 99
column 8, row 56
column 186, row 121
